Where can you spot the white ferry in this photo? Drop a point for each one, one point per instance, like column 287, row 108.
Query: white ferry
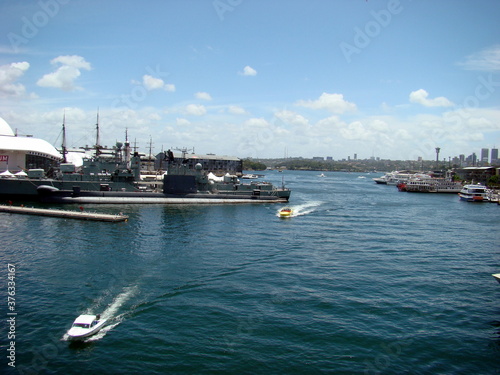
column 474, row 193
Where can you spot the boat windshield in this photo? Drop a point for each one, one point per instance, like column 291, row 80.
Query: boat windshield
column 81, row 325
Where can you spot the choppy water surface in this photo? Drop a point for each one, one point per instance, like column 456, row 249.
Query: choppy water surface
column 363, row 279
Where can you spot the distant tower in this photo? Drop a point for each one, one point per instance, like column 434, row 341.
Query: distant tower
column 485, row 155
column 437, row 155
column 494, row 155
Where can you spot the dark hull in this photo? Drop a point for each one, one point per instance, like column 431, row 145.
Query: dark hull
column 109, row 192
column 118, row 197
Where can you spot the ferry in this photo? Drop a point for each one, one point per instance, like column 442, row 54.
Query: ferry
column 474, row 193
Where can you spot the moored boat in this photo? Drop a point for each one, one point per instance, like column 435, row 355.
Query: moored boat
column 394, row 178
column 474, row 193
column 116, row 178
column 85, row 326
column 424, row 184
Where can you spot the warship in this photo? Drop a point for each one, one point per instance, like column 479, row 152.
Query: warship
column 116, row 178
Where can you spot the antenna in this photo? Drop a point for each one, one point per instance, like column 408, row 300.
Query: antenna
column 63, row 146
column 97, row 141
column 150, row 152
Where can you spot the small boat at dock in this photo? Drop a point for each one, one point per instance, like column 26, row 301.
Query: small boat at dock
column 474, row 193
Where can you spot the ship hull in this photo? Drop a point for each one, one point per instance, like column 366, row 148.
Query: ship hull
column 118, row 197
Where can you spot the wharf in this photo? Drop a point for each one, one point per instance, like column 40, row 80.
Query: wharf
column 63, row 213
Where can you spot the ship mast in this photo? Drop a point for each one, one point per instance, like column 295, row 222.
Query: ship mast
column 63, row 146
column 127, row 150
column 150, row 153
column 97, row 140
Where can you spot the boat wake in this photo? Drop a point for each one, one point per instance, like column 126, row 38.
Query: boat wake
column 303, row 209
column 110, row 314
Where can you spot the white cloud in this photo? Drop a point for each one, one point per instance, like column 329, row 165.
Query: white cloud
column 420, row 97
column 203, row 96
column 152, row 83
column 66, row 74
column 249, row 71
column 257, row 123
column 293, row 118
column 355, row 130
column 8, row 75
column 182, row 121
column 485, row 60
column 379, row 125
column 154, row 116
column 236, row 110
column 195, row 110
column 334, row 103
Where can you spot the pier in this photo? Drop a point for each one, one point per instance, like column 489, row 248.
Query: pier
column 82, row 215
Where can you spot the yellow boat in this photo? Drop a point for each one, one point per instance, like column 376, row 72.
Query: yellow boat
column 285, row 212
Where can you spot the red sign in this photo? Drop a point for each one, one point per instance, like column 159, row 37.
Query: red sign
column 4, row 158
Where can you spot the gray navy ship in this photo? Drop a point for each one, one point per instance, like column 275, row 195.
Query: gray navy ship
column 116, row 178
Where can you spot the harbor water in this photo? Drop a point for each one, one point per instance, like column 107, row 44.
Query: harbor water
column 363, row 279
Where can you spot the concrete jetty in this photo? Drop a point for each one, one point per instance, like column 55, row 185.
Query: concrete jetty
column 82, row 215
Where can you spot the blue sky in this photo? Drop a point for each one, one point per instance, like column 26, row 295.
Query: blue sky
column 253, row 78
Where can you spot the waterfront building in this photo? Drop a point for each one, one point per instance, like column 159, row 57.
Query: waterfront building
column 476, row 174
column 18, row 153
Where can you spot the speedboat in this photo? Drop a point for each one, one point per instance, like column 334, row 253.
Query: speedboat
column 496, row 276
column 85, row 326
column 285, row 212
column 474, row 193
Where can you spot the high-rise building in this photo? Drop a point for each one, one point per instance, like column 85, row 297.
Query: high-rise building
column 494, row 156
column 485, row 155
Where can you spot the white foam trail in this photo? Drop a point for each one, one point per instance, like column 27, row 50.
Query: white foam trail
column 118, row 302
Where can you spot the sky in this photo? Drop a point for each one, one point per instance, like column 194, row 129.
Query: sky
column 392, row 79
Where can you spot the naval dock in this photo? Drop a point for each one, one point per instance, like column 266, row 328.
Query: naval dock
column 82, row 215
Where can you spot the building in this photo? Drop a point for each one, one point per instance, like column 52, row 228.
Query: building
column 20, row 153
column 476, row 174
column 485, row 155
column 494, row 156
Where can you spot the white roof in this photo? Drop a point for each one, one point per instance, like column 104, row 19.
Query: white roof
column 8, row 141
column 28, row 144
column 5, row 129
column 85, row 319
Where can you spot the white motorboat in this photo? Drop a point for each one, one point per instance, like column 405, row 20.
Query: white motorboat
column 250, row 176
column 496, row 276
column 394, row 178
column 85, row 326
column 474, row 193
